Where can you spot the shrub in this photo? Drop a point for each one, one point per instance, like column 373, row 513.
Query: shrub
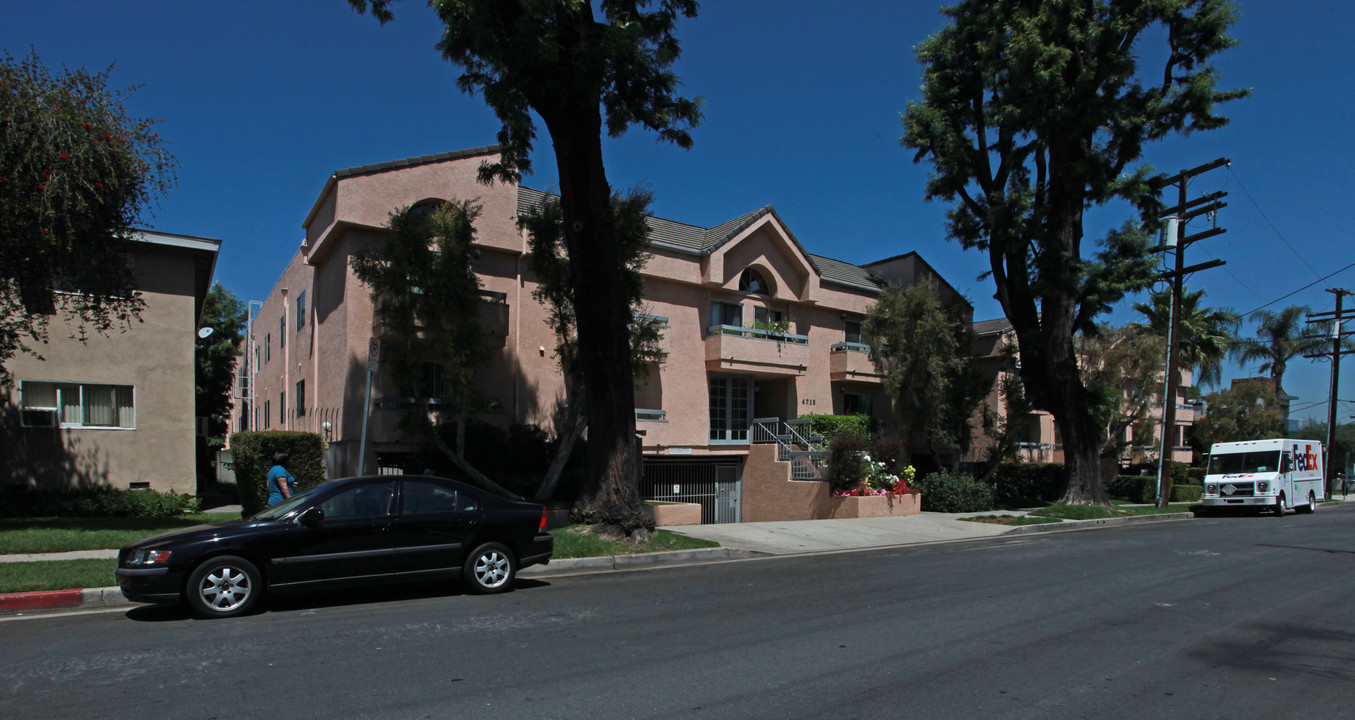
column 846, row 466
column 1031, row 482
column 832, row 426
column 891, row 451
column 252, row 453
column 954, row 491
column 1187, row 493
column 98, row 502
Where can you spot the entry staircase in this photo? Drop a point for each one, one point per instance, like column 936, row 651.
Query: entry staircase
column 796, row 444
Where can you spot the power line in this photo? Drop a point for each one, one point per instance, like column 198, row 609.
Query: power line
column 1276, row 230
column 1296, row 292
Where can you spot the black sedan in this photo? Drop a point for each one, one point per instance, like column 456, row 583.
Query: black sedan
column 351, row 531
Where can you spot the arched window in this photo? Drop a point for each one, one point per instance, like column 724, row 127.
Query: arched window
column 751, row 281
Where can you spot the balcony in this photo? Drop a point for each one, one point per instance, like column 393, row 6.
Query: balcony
column 851, row 361
column 730, row 348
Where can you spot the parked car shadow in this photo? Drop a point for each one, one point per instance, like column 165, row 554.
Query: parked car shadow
column 303, row 601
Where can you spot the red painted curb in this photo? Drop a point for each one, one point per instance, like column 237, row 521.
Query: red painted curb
column 42, row 600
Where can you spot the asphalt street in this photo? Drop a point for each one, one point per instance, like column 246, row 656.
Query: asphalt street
column 1218, row 617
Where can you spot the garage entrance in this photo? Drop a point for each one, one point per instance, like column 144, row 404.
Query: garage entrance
column 714, row 484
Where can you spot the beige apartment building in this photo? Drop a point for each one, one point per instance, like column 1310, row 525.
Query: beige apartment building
column 116, row 410
column 726, row 388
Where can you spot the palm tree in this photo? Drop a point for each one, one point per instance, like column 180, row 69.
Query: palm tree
column 1282, row 339
column 1205, row 334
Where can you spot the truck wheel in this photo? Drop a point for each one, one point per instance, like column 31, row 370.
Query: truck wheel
column 1312, row 503
column 1279, row 506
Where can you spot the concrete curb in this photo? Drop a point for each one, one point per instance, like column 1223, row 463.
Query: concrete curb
column 1068, row 525
column 580, row 566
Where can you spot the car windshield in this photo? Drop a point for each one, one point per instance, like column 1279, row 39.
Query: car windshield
column 1244, row 462
column 273, row 512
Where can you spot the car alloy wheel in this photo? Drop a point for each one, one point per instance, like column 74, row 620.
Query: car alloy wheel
column 224, row 586
column 490, row 569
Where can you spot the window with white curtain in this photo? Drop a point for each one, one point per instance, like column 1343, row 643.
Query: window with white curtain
column 77, row 405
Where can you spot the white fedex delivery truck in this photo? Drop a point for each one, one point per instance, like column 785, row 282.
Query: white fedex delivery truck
column 1275, row 474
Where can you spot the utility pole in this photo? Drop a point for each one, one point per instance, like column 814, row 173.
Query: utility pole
column 1176, row 239
column 1335, row 319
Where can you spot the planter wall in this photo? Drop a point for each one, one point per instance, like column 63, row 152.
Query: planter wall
column 673, row 513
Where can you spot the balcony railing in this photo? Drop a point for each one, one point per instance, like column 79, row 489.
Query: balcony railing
column 645, row 415
column 849, row 347
column 757, row 334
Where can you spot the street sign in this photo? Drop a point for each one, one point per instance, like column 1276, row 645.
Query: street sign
column 373, row 354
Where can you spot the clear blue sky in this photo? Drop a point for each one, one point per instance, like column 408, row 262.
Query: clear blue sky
column 261, row 101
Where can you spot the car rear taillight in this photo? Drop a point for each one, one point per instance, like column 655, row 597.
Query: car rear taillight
column 542, row 528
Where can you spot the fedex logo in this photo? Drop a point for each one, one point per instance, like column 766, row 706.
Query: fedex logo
column 1305, row 458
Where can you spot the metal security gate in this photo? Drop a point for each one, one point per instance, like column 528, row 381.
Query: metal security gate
column 715, row 485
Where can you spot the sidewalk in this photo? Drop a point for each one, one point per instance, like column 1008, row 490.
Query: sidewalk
column 738, row 541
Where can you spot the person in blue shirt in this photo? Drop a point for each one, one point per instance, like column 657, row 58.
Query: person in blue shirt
column 281, row 483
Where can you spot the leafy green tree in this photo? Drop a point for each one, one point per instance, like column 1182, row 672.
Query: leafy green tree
column 1283, row 337
column 1206, row 335
column 1122, row 369
column 1246, row 411
column 1033, row 111
column 583, row 68
column 427, row 294
column 1342, row 448
column 216, row 356
column 924, row 348
column 551, row 266
column 76, row 176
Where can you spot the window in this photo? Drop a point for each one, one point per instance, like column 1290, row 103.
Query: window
column 764, row 317
column 282, row 408
column 364, row 501
column 301, row 398
column 423, row 497
column 855, row 334
column 268, row 347
column 726, row 313
column 74, row 405
column 751, row 281
column 731, row 408
column 301, row 311
column 856, row 404
column 282, row 331
column 256, row 359
column 266, row 414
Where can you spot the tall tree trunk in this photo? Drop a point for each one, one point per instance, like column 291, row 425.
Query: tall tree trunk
column 602, row 306
column 563, row 449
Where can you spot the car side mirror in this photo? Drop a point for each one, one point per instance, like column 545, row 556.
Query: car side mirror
column 311, row 517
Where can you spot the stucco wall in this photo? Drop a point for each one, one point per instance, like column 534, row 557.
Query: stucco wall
column 155, row 356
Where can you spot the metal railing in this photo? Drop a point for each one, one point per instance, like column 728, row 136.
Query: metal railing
column 849, row 347
column 757, row 334
column 795, row 445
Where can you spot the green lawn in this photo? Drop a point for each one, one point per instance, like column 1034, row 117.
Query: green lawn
column 20, row 536
column 570, row 543
column 1096, row 512
column 56, row 575
column 1012, row 520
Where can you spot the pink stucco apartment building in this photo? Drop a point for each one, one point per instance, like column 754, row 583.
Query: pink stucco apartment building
column 709, row 415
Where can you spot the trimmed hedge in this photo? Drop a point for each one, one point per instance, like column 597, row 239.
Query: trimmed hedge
column 96, row 502
column 252, row 453
column 831, row 426
column 1041, row 482
column 1143, row 488
column 952, row 491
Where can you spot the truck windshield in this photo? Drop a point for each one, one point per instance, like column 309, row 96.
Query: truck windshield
column 1244, row 462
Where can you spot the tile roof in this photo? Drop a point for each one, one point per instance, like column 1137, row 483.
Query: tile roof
column 696, row 240
column 989, row 327
column 416, row 161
